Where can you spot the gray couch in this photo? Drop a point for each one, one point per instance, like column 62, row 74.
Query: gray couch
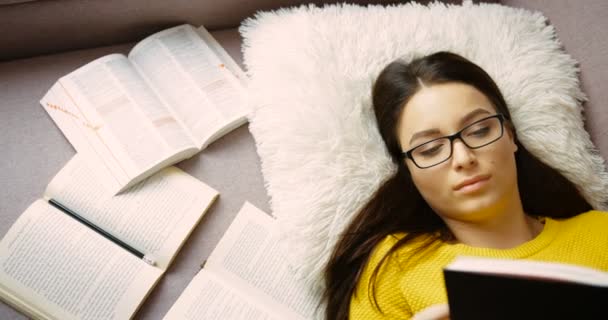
column 42, row 40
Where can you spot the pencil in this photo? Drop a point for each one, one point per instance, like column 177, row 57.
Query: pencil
column 95, row 228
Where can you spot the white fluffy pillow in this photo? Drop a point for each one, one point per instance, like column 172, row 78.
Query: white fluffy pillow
column 311, row 72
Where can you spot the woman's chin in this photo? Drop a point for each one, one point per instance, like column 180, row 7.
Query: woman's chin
column 475, row 207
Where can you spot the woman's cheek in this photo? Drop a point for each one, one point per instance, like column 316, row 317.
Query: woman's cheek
column 433, row 188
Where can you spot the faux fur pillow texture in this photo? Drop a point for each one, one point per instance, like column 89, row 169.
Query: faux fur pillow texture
column 311, row 70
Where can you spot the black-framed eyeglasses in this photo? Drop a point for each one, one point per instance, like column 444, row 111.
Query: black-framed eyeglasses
column 476, row 135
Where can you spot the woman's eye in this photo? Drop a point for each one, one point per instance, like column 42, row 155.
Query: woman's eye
column 480, row 132
column 431, row 151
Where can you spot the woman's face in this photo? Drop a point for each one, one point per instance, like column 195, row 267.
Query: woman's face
column 472, row 183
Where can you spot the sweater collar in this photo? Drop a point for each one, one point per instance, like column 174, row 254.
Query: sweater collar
column 542, row 240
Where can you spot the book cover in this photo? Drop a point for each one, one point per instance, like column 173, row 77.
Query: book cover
column 480, row 288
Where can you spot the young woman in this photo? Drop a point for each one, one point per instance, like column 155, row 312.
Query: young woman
column 464, row 186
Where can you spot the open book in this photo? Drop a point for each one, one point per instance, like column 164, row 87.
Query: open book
column 54, row 266
column 175, row 93
column 484, row 288
column 247, row 277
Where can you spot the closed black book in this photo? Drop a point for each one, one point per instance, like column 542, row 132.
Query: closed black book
column 484, row 288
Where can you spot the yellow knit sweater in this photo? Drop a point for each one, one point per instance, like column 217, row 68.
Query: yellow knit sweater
column 405, row 287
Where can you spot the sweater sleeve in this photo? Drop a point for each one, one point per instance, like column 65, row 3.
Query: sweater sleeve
column 388, row 294
column 593, row 230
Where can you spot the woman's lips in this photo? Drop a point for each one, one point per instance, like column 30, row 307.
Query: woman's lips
column 473, row 184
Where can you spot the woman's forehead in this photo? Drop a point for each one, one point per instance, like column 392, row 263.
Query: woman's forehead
column 445, row 107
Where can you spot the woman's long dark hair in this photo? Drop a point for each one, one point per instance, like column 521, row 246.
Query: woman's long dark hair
column 397, row 206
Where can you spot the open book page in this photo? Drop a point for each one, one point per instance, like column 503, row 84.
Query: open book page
column 223, row 55
column 53, row 267
column 131, row 124
column 83, row 135
column 207, row 297
column 249, row 258
column 155, row 216
column 544, row 270
column 193, row 81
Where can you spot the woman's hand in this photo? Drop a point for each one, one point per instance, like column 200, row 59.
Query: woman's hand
column 434, row 312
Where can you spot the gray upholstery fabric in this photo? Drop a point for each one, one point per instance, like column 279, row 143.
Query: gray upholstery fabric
column 50, row 26
column 34, row 149
column 581, row 26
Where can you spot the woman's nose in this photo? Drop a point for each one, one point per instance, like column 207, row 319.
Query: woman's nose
column 462, row 156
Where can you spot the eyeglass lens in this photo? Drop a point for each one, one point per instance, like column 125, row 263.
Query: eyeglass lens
column 474, row 136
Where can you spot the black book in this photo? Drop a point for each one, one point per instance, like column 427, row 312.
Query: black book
column 485, row 288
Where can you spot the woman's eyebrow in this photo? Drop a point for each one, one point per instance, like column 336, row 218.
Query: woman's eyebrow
column 423, row 133
column 466, row 118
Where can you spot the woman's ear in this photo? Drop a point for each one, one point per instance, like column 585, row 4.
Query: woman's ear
column 512, row 135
